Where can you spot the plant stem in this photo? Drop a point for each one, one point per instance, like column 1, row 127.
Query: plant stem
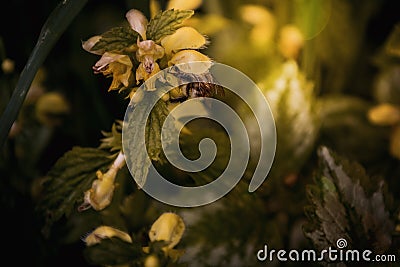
column 51, row 31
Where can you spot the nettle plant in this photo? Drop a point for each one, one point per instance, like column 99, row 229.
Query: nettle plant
column 94, row 183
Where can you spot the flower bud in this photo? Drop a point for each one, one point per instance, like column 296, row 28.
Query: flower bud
column 103, row 232
column 168, row 227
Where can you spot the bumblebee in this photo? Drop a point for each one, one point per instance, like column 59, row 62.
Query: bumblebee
column 192, row 85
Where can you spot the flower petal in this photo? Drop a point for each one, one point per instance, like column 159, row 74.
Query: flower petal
column 90, row 43
column 168, row 227
column 149, row 48
column 184, row 4
column 187, row 56
column 106, row 59
column 142, row 74
column 121, row 69
column 183, row 38
column 137, row 21
column 103, row 232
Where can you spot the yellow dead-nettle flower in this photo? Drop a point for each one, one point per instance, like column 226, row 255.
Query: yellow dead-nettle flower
column 99, row 196
column 147, row 54
column 117, row 66
column 168, row 227
column 148, row 51
column 103, row 232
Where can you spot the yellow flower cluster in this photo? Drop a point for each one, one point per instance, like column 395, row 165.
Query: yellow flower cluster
column 179, row 47
column 169, row 227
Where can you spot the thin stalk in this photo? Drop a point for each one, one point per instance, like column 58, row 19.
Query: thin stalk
column 53, row 28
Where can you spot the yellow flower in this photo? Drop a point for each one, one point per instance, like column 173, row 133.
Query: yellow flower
column 147, row 54
column 99, row 196
column 117, row 66
column 263, row 23
column 384, row 115
column 184, row 4
column 103, row 232
column 181, row 47
column 291, row 41
column 168, row 227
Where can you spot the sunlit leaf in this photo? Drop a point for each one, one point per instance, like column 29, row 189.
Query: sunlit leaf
column 166, row 23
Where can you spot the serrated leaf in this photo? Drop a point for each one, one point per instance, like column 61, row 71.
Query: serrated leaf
column 296, row 114
column 116, row 39
column 67, row 181
column 138, row 148
column 166, row 23
column 112, row 141
column 112, row 251
column 346, row 203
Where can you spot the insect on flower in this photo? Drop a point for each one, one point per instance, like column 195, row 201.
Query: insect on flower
column 193, row 85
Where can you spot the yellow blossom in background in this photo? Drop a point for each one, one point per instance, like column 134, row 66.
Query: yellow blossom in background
column 263, row 22
column 50, row 107
column 290, row 42
column 384, row 115
column 184, row 4
column 151, row 261
column 8, row 66
column 388, row 115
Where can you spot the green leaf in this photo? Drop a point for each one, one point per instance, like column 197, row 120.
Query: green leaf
column 166, row 23
column 112, row 251
column 138, row 148
column 67, row 181
column 346, row 203
column 116, row 39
